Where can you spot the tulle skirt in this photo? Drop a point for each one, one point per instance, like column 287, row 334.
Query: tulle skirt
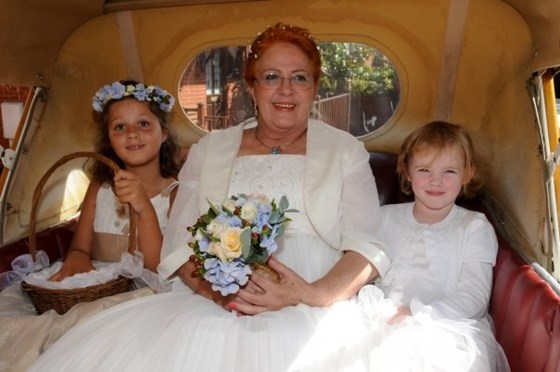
column 423, row 344
column 182, row 331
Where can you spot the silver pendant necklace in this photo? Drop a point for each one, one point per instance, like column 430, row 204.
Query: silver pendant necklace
column 277, row 149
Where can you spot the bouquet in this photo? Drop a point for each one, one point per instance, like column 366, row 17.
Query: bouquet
column 232, row 239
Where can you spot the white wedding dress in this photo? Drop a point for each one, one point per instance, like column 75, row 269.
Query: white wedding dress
column 182, row 331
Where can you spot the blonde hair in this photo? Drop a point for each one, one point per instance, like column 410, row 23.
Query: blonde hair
column 439, row 135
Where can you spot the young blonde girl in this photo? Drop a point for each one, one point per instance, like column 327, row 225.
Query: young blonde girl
column 436, row 164
column 442, row 257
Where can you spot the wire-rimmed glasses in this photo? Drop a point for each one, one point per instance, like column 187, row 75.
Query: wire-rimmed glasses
column 273, row 80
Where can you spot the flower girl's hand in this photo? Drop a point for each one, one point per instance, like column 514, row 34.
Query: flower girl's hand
column 129, row 189
column 77, row 261
column 265, row 294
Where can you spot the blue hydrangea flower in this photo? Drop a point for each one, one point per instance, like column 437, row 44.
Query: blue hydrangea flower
column 269, row 242
column 141, row 93
column 226, row 277
column 203, row 244
column 262, row 221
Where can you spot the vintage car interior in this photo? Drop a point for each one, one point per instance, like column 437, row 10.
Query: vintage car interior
column 489, row 65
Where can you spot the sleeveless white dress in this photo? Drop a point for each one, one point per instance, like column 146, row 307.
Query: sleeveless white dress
column 24, row 335
column 111, row 224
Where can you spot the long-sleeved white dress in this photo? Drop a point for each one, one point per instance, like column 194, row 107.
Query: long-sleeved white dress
column 443, row 273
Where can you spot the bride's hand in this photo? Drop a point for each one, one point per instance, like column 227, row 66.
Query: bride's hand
column 263, row 293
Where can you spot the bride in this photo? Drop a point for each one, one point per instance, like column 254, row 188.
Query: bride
column 312, row 319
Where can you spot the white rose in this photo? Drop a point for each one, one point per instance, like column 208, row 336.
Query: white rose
column 229, row 205
column 249, row 212
column 215, row 248
column 229, row 247
column 216, row 228
column 199, row 235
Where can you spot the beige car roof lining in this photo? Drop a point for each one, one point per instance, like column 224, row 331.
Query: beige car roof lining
column 48, row 23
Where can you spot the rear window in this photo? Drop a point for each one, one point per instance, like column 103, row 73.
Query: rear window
column 359, row 89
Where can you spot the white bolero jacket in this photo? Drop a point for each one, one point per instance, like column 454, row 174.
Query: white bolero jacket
column 340, row 193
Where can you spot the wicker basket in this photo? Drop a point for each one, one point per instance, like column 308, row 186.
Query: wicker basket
column 61, row 300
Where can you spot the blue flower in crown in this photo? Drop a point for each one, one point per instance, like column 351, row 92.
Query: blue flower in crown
column 139, row 91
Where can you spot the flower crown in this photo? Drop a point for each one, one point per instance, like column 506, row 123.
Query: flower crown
column 117, row 90
column 269, row 32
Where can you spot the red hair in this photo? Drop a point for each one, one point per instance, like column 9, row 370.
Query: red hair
column 298, row 36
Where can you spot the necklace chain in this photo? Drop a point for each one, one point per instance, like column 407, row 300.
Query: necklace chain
column 277, row 149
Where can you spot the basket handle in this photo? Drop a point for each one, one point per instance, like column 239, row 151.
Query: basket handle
column 39, row 188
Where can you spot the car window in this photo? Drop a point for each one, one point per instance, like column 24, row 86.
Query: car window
column 359, row 89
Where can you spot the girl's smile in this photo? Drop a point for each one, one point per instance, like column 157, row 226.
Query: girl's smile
column 437, row 177
column 135, row 132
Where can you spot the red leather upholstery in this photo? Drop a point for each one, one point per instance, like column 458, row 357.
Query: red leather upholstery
column 53, row 241
column 526, row 313
column 384, row 165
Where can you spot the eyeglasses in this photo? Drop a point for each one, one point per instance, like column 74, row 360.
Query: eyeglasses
column 272, row 80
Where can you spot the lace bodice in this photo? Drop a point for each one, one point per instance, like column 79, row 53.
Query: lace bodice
column 274, row 176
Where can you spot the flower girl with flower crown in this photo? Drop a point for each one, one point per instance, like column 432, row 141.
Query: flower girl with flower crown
column 132, row 121
column 134, row 132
